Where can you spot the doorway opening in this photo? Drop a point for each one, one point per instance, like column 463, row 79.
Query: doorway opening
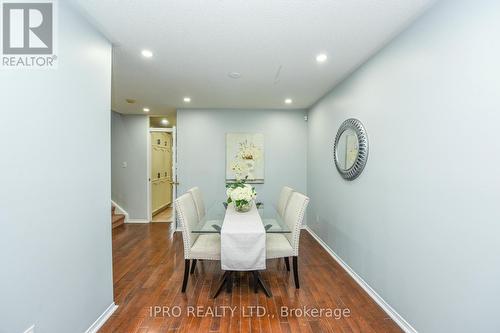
column 162, row 173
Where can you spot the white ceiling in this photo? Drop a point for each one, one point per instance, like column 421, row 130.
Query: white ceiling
column 197, row 43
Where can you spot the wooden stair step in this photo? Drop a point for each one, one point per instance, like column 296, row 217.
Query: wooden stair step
column 118, row 220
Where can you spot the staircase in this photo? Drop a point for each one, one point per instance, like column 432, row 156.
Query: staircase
column 116, row 219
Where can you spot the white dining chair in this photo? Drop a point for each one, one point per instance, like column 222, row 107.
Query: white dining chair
column 198, row 201
column 287, row 244
column 285, row 194
column 196, row 246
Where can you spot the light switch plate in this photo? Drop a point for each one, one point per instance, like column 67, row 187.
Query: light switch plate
column 124, row 164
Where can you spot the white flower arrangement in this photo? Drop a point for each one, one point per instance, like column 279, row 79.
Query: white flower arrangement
column 245, row 193
column 241, row 194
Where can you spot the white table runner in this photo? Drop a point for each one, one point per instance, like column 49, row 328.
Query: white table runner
column 243, row 241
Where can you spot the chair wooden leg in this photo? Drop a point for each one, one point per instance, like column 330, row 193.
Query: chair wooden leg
column 287, row 263
column 193, row 266
column 186, row 275
column 296, row 272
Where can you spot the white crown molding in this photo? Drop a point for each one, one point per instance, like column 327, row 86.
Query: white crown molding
column 400, row 321
column 102, row 318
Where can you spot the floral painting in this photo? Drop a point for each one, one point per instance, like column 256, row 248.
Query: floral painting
column 245, row 157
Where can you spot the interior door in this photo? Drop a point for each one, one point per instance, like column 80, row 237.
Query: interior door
column 175, row 180
column 168, row 167
column 156, row 157
column 161, row 171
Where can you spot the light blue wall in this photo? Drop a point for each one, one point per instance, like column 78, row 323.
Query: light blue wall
column 421, row 225
column 201, row 147
column 129, row 186
column 55, row 238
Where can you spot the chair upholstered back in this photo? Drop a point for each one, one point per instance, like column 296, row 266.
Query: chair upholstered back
column 283, row 199
column 294, row 215
column 188, row 217
column 198, row 201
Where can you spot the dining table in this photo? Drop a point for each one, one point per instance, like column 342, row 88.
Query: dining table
column 243, row 239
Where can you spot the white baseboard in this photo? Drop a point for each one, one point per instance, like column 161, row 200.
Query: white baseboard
column 137, row 221
column 102, row 318
column 400, row 321
column 120, row 210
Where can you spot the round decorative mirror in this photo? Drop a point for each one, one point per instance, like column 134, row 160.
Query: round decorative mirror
column 351, row 149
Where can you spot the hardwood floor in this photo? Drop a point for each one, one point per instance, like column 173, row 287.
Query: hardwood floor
column 164, row 216
column 148, row 268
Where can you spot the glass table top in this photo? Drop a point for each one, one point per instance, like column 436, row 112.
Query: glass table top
column 214, row 218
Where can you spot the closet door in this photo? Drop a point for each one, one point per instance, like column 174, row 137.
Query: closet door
column 168, row 168
column 163, row 174
column 161, row 170
column 156, row 157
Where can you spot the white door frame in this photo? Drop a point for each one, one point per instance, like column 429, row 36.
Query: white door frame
column 172, row 130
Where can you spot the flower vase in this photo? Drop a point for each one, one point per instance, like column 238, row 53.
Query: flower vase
column 243, row 207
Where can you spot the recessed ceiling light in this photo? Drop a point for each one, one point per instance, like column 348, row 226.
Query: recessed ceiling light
column 187, row 99
column 164, row 121
column 147, row 53
column 234, row 75
column 145, row 109
column 288, row 101
column 321, row 57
